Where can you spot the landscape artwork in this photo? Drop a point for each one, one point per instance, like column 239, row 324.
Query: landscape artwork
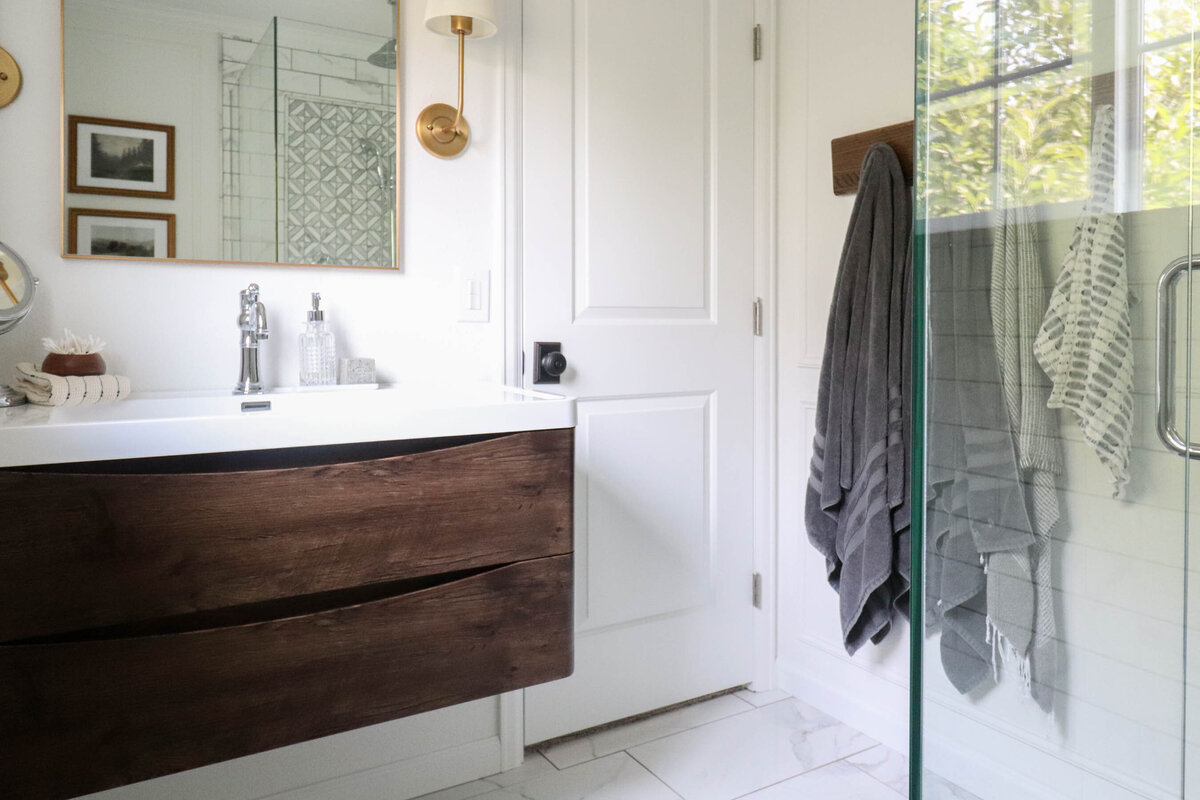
column 122, row 240
column 120, row 234
column 126, row 158
column 120, row 157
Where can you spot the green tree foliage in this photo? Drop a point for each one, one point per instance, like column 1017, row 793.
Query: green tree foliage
column 1169, row 127
column 1021, row 139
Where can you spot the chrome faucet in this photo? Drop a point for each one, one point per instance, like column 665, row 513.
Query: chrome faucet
column 253, row 324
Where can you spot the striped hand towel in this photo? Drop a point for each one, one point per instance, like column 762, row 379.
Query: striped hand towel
column 44, row 389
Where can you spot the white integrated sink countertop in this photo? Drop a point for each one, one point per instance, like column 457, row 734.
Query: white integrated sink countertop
column 178, row 423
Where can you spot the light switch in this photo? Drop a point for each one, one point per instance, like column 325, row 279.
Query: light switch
column 474, row 295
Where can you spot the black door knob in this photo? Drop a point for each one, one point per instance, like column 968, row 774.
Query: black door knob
column 554, row 364
column 549, row 363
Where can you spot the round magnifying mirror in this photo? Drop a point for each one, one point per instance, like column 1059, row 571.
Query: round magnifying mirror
column 17, row 287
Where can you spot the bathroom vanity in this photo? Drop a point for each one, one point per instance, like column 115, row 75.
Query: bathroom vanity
column 186, row 579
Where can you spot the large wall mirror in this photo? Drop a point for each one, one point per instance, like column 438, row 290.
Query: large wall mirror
column 231, row 130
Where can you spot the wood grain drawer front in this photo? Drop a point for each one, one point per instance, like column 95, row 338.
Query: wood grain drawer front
column 86, row 551
column 84, row 716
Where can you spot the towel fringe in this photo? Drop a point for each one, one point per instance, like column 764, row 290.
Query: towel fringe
column 1004, row 652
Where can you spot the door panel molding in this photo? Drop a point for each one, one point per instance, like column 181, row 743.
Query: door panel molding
column 642, row 505
column 654, row 89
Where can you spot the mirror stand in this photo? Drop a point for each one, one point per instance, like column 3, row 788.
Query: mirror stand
column 17, row 288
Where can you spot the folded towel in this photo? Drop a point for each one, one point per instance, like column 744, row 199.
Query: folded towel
column 45, row 389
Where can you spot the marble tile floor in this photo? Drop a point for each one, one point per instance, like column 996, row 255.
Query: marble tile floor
column 741, row 746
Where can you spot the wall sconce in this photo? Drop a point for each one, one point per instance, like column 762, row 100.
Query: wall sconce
column 441, row 129
column 10, row 78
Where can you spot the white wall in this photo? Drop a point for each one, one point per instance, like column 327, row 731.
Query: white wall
column 843, row 67
column 172, row 326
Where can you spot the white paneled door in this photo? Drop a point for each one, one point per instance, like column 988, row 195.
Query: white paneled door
column 638, row 211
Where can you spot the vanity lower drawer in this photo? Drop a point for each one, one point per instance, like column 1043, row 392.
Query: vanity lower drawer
column 80, row 551
column 80, row 716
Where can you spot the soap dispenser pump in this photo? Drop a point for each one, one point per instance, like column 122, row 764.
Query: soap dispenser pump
column 318, row 351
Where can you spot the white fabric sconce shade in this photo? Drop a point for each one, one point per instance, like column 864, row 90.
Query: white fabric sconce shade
column 483, row 12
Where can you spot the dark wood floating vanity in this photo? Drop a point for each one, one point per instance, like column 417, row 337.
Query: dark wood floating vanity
column 161, row 614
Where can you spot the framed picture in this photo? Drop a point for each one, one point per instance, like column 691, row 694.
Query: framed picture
column 112, row 156
column 122, row 234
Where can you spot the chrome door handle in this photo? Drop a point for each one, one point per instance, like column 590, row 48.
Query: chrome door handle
column 1164, row 348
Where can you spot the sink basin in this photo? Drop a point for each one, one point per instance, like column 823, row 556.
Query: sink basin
column 176, row 423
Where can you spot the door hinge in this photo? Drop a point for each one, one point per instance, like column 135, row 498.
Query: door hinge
column 758, row 42
column 756, row 590
column 758, row 316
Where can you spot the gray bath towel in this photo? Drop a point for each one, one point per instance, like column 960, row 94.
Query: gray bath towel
column 977, row 507
column 856, row 509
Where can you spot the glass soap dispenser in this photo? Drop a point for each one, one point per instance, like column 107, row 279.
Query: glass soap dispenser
column 318, row 351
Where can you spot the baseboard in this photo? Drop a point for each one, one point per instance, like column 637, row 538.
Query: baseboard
column 984, row 759
column 863, row 700
column 395, row 760
column 1019, row 769
column 407, row 779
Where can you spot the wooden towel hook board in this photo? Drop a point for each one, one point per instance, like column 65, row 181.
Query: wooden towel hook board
column 849, row 151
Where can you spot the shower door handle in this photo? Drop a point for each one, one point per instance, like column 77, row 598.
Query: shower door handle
column 1164, row 390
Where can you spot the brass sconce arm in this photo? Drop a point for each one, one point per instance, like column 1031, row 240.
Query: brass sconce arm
column 462, row 27
column 442, row 129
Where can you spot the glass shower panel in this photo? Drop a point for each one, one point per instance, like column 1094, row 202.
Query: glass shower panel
column 312, row 149
column 1169, row 49
column 253, row 147
column 1054, row 183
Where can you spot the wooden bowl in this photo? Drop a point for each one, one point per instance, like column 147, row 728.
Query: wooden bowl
column 74, row 364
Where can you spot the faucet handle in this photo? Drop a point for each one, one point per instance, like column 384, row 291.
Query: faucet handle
column 263, row 331
column 253, row 316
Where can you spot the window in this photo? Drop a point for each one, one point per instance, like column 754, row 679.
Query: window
column 1009, row 107
column 1167, row 89
column 1014, row 83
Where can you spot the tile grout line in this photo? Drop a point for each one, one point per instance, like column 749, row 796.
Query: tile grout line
column 868, row 774
column 820, row 767
column 656, row 776
column 749, row 707
column 534, row 753
column 872, row 746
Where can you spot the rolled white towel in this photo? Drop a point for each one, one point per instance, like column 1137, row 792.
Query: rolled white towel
column 45, row 389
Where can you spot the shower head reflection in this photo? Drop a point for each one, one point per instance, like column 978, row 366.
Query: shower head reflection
column 385, row 56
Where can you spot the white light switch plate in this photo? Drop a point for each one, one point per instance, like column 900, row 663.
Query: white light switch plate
column 474, row 295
